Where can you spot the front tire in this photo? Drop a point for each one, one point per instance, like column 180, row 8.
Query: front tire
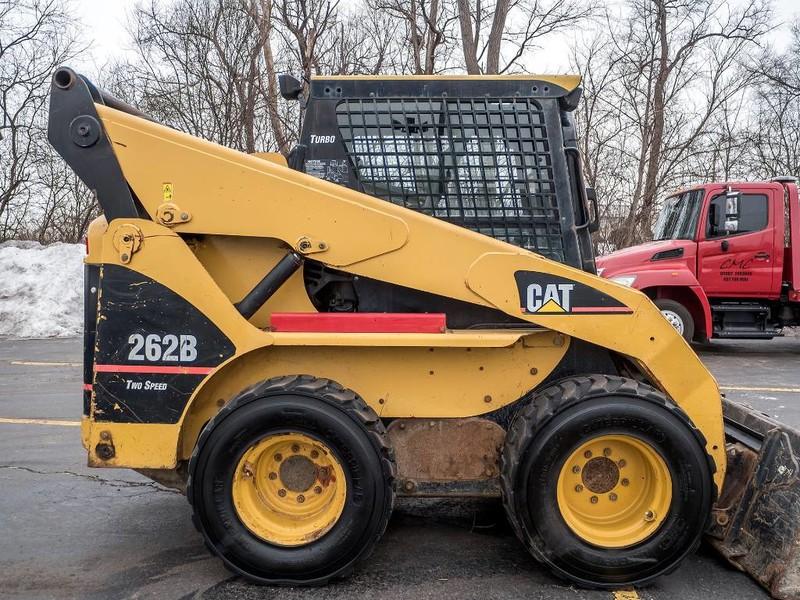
column 606, row 481
column 678, row 316
column 292, row 482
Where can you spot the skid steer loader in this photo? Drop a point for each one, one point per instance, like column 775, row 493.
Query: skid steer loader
column 408, row 307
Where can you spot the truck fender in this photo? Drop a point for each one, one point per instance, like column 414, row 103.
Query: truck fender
column 682, row 286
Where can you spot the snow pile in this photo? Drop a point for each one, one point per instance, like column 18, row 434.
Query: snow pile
column 41, row 289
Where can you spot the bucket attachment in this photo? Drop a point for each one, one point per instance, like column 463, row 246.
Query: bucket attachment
column 756, row 523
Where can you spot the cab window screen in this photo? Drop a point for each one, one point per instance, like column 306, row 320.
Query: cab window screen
column 480, row 163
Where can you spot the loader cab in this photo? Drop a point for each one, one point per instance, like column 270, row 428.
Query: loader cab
column 497, row 155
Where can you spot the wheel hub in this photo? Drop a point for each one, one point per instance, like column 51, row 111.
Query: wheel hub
column 614, row 491
column 297, row 473
column 600, row 475
column 674, row 320
column 289, row 489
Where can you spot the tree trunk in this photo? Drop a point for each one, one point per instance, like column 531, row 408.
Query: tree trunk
column 645, row 218
column 496, row 37
column 468, row 41
column 265, row 27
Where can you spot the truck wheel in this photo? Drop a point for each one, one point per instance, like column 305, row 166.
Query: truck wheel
column 292, row 482
column 678, row 316
column 606, row 481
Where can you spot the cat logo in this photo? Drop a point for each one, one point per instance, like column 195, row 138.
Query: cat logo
column 546, row 294
column 550, row 298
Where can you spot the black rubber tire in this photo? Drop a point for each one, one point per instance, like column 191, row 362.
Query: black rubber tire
column 682, row 312
column 318, row 408
column 558, row 420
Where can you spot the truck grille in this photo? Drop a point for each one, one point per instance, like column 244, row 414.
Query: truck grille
column 480, row 163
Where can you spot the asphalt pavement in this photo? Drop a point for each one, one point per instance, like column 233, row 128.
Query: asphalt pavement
column 67, row 531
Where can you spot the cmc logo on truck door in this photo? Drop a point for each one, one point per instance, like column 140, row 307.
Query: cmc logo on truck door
column 545, row 294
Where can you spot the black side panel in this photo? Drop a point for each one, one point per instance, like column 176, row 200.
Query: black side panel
column 91, row 283
column 336, row 291
column 153, row 349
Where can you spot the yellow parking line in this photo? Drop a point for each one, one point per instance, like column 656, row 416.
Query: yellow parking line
column 626, row 595
column 33, row 363
column 40, row 422
column 744, row 388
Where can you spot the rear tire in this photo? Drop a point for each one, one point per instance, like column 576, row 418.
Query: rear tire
column 324, row 430
column 644, row 527
column 678, row 316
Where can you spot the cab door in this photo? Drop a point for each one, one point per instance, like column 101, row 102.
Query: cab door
column 738, row 257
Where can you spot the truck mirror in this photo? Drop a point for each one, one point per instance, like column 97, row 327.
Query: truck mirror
column 731, row 211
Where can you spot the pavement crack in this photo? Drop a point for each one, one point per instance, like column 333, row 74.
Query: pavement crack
column 114, row 482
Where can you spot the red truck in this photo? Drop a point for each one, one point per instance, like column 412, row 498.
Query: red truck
column 724, row 262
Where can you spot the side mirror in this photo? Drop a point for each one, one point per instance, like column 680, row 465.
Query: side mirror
column 290, row 87
column 731, row 211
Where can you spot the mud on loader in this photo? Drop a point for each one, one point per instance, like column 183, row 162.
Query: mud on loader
column 408, row 307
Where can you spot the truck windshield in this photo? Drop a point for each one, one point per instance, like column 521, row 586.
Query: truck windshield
column 678, row 218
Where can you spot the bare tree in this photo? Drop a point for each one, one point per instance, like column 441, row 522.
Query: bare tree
column 773, row 136
column 35, row 37
column 496, row 36
column 305, row 28
column 424, row 34
column 674, row 69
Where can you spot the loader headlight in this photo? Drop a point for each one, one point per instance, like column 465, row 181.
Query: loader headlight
column 626, row 280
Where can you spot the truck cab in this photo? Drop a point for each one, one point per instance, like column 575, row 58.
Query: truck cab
column 724, row 261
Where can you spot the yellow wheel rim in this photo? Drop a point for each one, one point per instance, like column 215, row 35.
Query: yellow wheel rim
column 289, row 489
column 614, row 491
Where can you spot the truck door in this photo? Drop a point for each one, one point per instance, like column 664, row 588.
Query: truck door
column 737, row 257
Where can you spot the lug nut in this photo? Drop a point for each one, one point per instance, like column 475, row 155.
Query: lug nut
column 606, row 451
column 621, row 463
column 273, row 476
column 579, row 488
column 281, row 492
column 576, row 469
column 593, row 499
column 295, row 448
column 625, row 481
column 612, row 496
column 649, row 515
column 587, row 454
column 314, row 454
column 278, row 457
column 301, row 498
column 317, row 490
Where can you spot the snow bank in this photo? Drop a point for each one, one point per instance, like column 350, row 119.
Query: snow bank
column 41, row 289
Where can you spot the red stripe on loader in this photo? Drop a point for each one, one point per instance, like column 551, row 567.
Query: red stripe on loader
column 601, row 309
column 359, row 322
column 177, row 370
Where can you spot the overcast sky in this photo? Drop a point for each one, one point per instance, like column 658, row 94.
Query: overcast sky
column 104, row 27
